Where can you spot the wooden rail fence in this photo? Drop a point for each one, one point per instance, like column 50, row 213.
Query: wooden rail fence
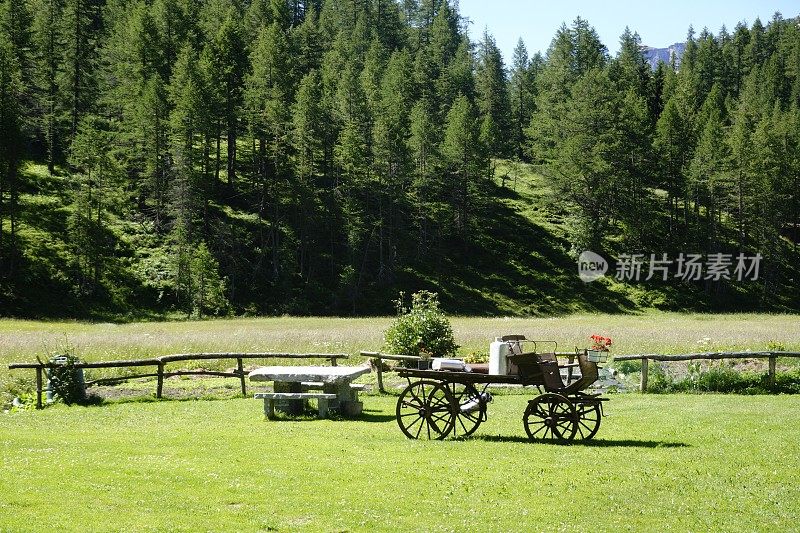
column 646, row 358
column 161, row 362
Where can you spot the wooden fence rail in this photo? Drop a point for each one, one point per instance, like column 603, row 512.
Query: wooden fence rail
column 161, row 362
column 646, row 358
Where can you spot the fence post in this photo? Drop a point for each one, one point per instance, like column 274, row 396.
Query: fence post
column 160, row 385
column 645, row 364
column 240, row 367
column 378, row 362
column 38, row 387
column 772, row 361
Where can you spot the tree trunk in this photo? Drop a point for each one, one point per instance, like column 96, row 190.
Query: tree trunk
column 76, row 71
column 218, row 162
column 2, row 192
column 231, row 135
column 12, row 215
column 740, row 193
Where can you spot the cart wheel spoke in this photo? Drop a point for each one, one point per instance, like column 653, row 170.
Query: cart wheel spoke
column 412, row 424
column 589, row 418
column 468, row 407
column 542, row 427
column 419, row 430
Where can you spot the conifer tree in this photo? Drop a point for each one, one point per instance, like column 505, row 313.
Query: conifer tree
column 493, row 102
column 708, row 173
column 226, row 61
column 94, row 195
column 189, row 136
column 16, row 20
column 78, row 83
column 10, row 147
column 391, row 160
column 268, row 94
column 743, row 154
column 47, row 69
column 583, row 165
column 630, row 69
column 307, row 133
column 522, row 96
column 306, row 45
column 671, row 143
column 463, row 163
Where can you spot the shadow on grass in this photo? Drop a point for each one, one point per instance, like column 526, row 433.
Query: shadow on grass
column 594, row 443
column 374, row 416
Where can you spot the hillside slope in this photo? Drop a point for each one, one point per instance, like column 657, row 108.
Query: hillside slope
column 518, row 263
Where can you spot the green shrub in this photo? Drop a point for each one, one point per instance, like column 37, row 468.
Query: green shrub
column 628, row 367
column 657, row 380
column 724, row 380
column 787, row 382
column 66, row 381
column 422, row 326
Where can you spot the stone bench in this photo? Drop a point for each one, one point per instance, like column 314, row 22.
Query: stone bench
column 318, row 385
column 270, row 398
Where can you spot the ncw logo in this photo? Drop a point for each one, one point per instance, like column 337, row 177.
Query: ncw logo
column 591, row 266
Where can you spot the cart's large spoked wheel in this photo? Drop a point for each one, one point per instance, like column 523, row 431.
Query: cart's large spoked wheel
column 468, row 407
column 424, row 412
column 550, row 417
column 589, row 417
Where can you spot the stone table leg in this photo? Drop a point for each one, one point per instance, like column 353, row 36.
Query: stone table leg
column 346, row 398
column 290, row 407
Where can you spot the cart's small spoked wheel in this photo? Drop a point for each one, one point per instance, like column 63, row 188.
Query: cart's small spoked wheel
column 468, row 407
column 423, row 411
column 550, row 417
column 589, row 417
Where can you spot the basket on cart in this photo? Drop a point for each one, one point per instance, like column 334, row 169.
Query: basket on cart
column 597, row 356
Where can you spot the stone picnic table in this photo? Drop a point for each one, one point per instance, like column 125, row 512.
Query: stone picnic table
column 291, row 383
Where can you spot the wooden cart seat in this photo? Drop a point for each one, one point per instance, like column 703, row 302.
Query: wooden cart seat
column 589, row 375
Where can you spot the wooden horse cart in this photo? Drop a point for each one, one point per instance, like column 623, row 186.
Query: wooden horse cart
column 441, row 403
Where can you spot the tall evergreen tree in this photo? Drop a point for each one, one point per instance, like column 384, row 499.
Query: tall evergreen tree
column 47, row 69
column 268, row 96
column 78, row 82
column 522, row 96
column 226, row 60
column 584, row 168
column 94, row 195
column 630, row 69
column 745, row 118
column 10, row 148
column 463, row 163
column 493, row 101
column 708, row 172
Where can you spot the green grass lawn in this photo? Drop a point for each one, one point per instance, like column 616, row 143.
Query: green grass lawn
column 671, row 462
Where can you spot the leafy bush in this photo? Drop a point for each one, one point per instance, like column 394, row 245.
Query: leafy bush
column 66, row 381
column 423, row 326
column 725, row 380
column 628, row 367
